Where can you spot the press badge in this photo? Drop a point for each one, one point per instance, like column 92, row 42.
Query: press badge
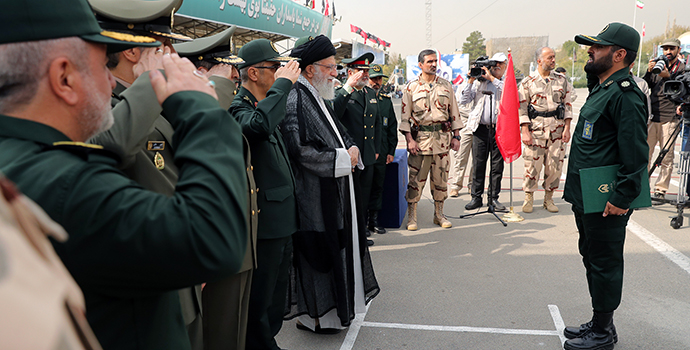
column 587, row 131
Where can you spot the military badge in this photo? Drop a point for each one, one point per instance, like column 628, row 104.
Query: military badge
column 385, row 121
column 373, row 100
column 159, row 161
column 156, row 146
column 587, row 130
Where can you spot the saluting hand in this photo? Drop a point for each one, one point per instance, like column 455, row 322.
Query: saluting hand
column 151, row 58
column 180, row 77
column 290, row 71
column 353, row 79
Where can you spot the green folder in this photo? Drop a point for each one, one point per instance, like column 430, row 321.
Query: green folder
column 598, row 185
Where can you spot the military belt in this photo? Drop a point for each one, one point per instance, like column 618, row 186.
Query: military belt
column 558, row 112
column 432, row 127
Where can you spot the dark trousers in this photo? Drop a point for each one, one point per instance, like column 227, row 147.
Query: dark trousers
column 601, row 246
column 483, row 147
column 362, row 180
column 376, row 198
column 268, row 293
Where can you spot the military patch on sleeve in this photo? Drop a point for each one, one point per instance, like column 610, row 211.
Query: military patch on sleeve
column 587, row 130
column 385, row 121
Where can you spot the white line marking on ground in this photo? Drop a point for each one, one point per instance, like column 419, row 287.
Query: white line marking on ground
column 557, row 321
column 353, row 330
column 662, row 247
column 459, row 329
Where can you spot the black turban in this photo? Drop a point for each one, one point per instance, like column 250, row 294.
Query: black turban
column 313, row 50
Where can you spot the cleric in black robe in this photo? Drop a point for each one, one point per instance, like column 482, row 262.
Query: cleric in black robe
column 332, row 278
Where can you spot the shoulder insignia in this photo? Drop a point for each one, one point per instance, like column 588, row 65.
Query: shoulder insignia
column 81, row 149
column 608, row 83
column 69, row 144
column 626, row 85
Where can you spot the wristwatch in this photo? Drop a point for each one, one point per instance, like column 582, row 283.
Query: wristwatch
column 457, row 137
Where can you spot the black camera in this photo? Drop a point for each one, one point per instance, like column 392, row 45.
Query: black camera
column 678, row 91
column 476, row 71
column 661, row 64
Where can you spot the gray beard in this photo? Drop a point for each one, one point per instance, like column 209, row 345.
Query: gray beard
column 325, row 88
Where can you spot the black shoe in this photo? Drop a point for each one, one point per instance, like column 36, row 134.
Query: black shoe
column 659, row 196
column 592, row 340
column 475, row 203
column 576, row 332
column 368, row 233
column 370, row 242
column 497, row 205
column 318, row 329
column 373, row 225
column 380, row 230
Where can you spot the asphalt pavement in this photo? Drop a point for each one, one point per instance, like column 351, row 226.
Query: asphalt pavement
column 480, row 285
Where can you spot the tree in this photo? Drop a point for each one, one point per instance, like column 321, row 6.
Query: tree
column 474, row 45
column 393, row 59
column 564, row 58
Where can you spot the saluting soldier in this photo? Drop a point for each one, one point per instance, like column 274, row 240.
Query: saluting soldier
column 226, row 302
column 611, row 130
column 545, row 115
column 388, row 143
column 356, row 106
column 259, row 107
column 142, row 136
column 431, row 124
column 130, row 249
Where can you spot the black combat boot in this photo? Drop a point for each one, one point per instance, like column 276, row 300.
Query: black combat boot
column 373, row 225
column 599, row 336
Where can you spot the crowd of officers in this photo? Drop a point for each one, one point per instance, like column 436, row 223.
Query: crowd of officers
column 142, row 251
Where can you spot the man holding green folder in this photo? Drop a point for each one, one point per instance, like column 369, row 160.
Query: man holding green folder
column 611, row 130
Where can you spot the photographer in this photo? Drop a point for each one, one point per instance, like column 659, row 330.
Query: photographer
column 485, row 96
column 664, row 118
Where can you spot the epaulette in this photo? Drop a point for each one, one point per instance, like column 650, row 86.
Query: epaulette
column 385, row 95
column 81, row 149
column 626, row 85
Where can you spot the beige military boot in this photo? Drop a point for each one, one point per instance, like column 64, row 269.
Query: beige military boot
column 548, row 202
column 439, row 218
column 529, row 200
column 455, row 192
column 412, row 216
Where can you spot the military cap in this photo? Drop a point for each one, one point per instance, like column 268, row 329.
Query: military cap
column 143, row 17
column 214, row 49
column 376, row 71
column 260, row 50
column 31, row 20
column 615, row 33
column 361, row 62
column 671, row 42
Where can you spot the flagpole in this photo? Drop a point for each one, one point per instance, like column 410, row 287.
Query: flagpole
column 512, row 216
column 639, row 51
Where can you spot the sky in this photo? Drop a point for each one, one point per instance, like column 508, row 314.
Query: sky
column 403, row 22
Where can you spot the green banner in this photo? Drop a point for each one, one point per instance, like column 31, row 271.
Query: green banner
column 284, row 17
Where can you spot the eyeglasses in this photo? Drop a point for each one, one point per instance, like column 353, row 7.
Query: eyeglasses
column 274, row 67
column 330, row 66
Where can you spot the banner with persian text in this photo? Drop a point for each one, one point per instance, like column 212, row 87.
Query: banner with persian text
column 283, row 17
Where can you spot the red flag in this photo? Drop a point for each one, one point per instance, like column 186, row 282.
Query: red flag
column 643, row 29
column 325, row 11
column 508, row 121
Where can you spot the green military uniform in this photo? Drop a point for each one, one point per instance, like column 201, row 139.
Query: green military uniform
column 388, row 142
column 276, row 198
column 358, row 112
column 130, row 249
column 611, row 130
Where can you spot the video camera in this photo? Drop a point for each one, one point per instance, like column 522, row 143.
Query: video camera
column 678, row 91
column 476, row 71
column 661, row 64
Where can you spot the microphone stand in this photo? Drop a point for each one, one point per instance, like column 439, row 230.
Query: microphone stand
column 489, row 155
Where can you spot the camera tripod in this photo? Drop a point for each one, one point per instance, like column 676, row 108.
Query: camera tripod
column 489, row 153
column 683, row 170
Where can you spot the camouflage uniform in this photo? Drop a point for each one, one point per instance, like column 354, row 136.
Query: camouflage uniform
column 429, row 105
column 547, row 148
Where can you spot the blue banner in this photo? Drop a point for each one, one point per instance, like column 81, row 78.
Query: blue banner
column 453, row 68
column 283, row 17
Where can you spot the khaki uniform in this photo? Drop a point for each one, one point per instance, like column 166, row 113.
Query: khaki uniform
column 429, row 106
column 547, row 149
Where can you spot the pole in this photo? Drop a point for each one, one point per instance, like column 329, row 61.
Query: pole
column 511, row 216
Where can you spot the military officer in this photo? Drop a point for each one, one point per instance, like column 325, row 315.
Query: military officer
column 611, row 130
column 259, row 107
column 431, row 124
column 226, row 302
column 388, row 143
column 130, row 249
column 356, row 106
column 545, row 115
column 212, row 56
column 141, row 135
